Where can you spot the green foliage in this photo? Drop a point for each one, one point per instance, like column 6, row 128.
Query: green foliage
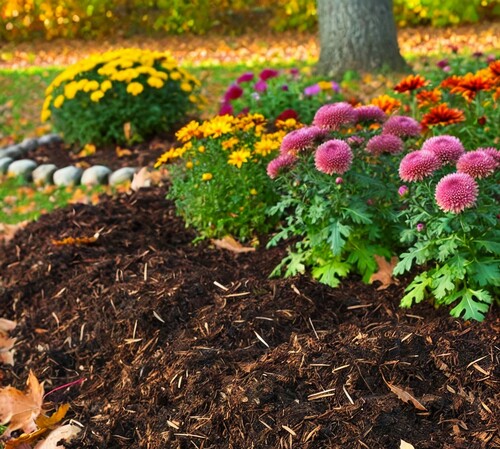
column 220, row 185
column 32, row 19
column 120, row 95
column 278, row 95
column 339, row 223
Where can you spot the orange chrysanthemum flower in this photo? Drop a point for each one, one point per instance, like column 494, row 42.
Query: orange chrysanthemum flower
column 470, row 84
column 442, row 115
column 428, row 97
column 450, row 82
column 386, row 103
column 495, row 68
column 410, row 83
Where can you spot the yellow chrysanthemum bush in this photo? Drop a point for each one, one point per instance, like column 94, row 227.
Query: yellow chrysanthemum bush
column 219, row 181
column 118, row 95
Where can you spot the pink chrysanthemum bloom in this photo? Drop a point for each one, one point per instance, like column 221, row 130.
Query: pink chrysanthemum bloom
column 478, row 164
column 448, row 149
column 493, row 152
column 333, row 116
column 268, row 74
column 333, row 156
column 370, row 113
column 385, row 143
column 279, row 164
column 456, row 192
column 300, row 139
column 355, row 141
column 226, row 109
column 402, row 126
column 233, row 92
column 418, row 165
column 245, row 78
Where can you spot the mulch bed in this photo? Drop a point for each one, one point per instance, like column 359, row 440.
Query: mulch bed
column 189, row 346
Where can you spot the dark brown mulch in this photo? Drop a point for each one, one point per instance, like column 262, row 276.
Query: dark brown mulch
column 186, row 346
column 137, row 155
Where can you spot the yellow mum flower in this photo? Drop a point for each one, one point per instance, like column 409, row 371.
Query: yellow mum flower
column 325, row 85
column 238, row 158
column 58, row 102
column 91, row 85
column 96, row 95
column 202, row 149
column 45, row 115
column 156, row 82
column 206, row 176
column 266, row 146
column 193, row 99
column 186, row 87
column 70, row 90
column 218, row 126
column 230, row 143
column 253, row 192
column 106, row 85
column 192, row 129
column 176, row 76
column 189, row 165
column 135, row 88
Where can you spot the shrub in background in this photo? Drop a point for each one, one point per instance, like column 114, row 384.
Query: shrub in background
column 339, row 185
column 118, row 95
column 219, row 183
column 277, row 95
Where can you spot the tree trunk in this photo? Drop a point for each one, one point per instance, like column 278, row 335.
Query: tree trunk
column 357, row 35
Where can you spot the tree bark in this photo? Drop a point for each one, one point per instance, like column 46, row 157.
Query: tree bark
column 357, row 35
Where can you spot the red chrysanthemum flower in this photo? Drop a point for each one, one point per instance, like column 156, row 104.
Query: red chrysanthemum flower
column 456, row 192
column 442, row 115
column 402, row 126
column 333, row 116
column 245, row 78
column 286, row 114
column 418, row 165
column 281, row 163
column 478, row 164
column 448, row 149
column 410, row 83
column 333, row 156
column 450, row 82
column 385, row 143
column 226, row 109
column 470, row 84
column 300, row 139
column 370, row 113
column 428, row 97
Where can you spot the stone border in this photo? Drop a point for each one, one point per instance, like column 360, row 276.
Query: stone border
column 13, row 164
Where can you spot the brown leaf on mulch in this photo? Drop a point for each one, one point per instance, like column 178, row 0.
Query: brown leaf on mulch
column 405, row 396
column 384, row 273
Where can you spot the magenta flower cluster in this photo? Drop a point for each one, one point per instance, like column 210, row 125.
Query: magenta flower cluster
column 402, row 126
column 333, row 117
column 456, row 192
column 301, row 139
column 333, row 156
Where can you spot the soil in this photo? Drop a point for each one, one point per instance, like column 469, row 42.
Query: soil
column 190, row 346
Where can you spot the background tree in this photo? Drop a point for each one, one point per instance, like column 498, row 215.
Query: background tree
column 357, row 35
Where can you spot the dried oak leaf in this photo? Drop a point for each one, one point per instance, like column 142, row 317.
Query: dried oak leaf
column 384, row 273
column 405, row 445
column 19, row 410
column 233, row 245
column 6, row 343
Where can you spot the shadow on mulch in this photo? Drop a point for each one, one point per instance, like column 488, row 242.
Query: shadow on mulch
column 186, row 346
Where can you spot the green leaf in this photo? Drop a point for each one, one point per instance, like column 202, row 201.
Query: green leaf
column 357, row 215
column 446, row 249
column 469, row 308
column 489, row 246
column 443, row 282
column 335, row 233
column 330, row 272
column 418, row 253
column 485, row 273
column 416, row 290
column 294, row 264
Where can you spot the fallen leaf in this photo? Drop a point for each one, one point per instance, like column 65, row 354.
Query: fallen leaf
column 233, row 245
column 88, row 150
column 76, row 240
column 122, row 152
column 66, row 433
column 405, row 445
column 6, row 345
column 405, row 396
column 141, row 179
column 7, row 231
column 7, row 325
column 384, row 273
column 127, row 130
column 19, row 410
